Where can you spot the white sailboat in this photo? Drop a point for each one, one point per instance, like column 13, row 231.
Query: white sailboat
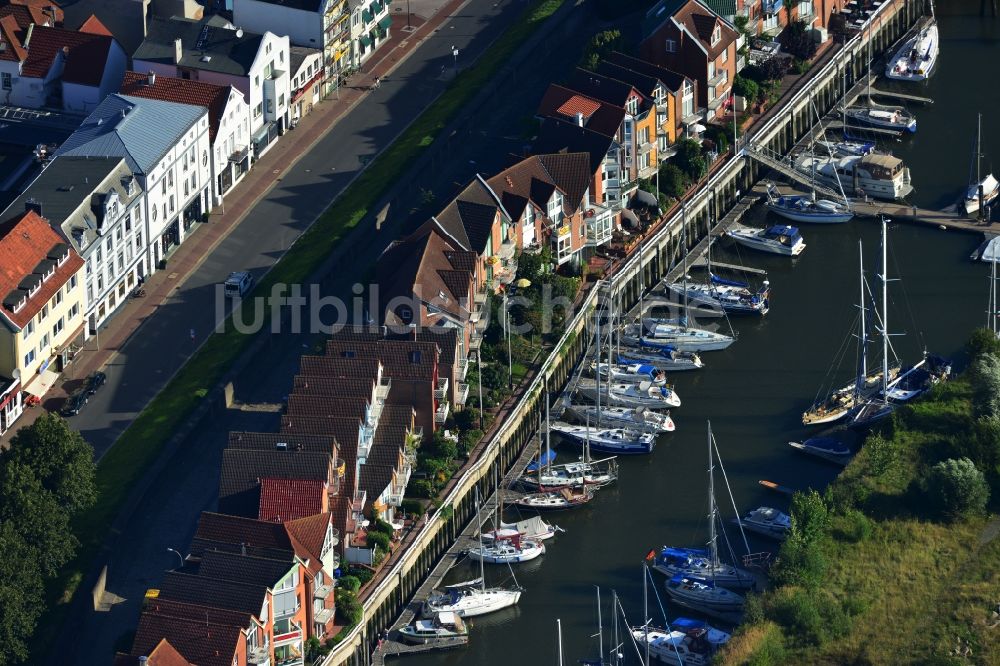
column 624, row 417
column 631, row 395
column 619, row 441
column 472, row 598
column 893, row 118
column 662, row 334
column 916, row 58
column 981, row 191
column 776, row 239
column 629, row 373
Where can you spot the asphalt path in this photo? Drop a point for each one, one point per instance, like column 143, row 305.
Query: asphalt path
column 167, row 515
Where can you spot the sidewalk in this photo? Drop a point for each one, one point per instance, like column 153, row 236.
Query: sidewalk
column 203, row 238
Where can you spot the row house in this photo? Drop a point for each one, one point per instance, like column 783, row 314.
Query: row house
column 305, row 80
column 228, row 121
column 215, row 51
column 639, row 130
column 387, row 471
column 97, row 205
column 677, row 107
column 769, row 17
column 690, row 38
column 426, row 283
column 162, row 654
column 194, row 634
column 167, row 149
column 43, row 66
column 42, row 309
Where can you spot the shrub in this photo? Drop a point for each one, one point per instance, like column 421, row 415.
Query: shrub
column 364, row 574
column 442, row 447
column 985, row 377
column 745, row 87
column 673, row 181
column 800, row 563
column 412, row 507
column 379, row 525
column 881, row 454
column 348, row 609
column 753, row 609
column 855, row 526
column 983, row 341
column 468, row 440
column 468, row 418
column 350, row 583
column 797, row 40
column 810, row 516
column 423, row 488
column 956, row 488
column 600, row 45
column 799, row 612
column 689, row 158
column 378, row 539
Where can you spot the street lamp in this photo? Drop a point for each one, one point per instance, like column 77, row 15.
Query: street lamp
column 506, row 332
column 479, row 375
column 178, row 554
column 408, row 28
column 454, row 52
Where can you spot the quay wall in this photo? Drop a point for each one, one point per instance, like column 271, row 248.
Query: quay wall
column 823, row 86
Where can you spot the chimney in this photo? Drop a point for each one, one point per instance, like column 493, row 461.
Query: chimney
column 579, row 119
column 178, row 51
column 143, row 660
column 151, row 78
column 243, row 549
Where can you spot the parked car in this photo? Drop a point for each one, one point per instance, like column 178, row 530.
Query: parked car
column 95, row 381
column 238, row 284
column 74, row 403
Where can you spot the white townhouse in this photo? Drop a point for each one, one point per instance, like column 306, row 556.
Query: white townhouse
column 97, row 204
column 215, row 51
column 228, row 121
column 167, row 148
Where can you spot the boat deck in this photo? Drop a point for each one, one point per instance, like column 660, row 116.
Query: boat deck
column 697, row 253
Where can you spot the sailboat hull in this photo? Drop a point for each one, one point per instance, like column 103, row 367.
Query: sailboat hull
column 810, row 216
column 473, row 603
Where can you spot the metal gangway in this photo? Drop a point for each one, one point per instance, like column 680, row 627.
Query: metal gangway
column 784, row 166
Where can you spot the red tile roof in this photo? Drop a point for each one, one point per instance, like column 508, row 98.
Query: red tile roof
column 9, row 35
column 578, row 104
column 94, row 26
column 86, row 55
column 308, row 535
column 202, row 643
column 182, row 91
column 41, row 10
column 25, row 243
column 164, row 654
column 287, row 499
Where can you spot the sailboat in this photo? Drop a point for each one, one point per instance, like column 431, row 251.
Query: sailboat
column 630, row 373
column 981, row 191
column 685, row 641
column 893, row 118
column 839, row 403
column 699, row 564
column 916, row 58
column 508, row 547
column 654, row 333
column 548, row 478
column 471, row 598
column 620, row 441
column 631, row 395
column 878, row 406
column 624, row 417
column 665, row 356
column 806, row 208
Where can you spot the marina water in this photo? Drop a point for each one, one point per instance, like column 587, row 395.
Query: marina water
column 754, row 392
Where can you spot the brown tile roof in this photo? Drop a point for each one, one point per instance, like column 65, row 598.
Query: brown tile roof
column 180, row 609
column 571, row 173
column 340, row 510
column 309, row 534
column 86, row 55
column 558, row 136
column 468, row 218
column 206, row 591
column 355, row 395
column 248, row 569
column 605, row 118
column 10, row 34
column 345, row 430
column 535, row 178
column 268, row 441
column 28, row 248
column 39, row 12
column 287, row 499
column 671, row 79
column 182, row 91
column 308, row 403
column 202, row 643
column 644, row 83
column 94, row 26
column 327, row 366
column 163, row 654
column 243, row 470
column 701, row 21
column 600, row 87
column 228, row 529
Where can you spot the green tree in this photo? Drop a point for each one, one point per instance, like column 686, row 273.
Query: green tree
column 797, row 40
column 673, row 181
column 22, row 596
column 443, row 447
column 957, row 488
column 983, row 341
column 378, row 539
column 810, row 516
column 985, row 377
column 881, row 454
column 349, row 583
column 689, row 158
column 599, row 46
column 37, row 517
column 60, row 459
column 745, row 87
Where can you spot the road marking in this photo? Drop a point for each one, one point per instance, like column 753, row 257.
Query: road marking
column 172, row 276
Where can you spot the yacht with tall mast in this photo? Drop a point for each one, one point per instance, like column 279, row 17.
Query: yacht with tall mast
column 916, row 58
column 982, row 190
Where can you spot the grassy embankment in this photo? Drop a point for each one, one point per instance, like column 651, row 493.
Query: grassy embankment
column 892, row 581
column 142, row 442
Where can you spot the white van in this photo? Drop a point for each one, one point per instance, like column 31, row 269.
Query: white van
column 238, row 284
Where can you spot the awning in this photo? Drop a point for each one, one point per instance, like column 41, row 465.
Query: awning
column 365, row 40
column 366, row 16
column 41, row 383
column 385, row 22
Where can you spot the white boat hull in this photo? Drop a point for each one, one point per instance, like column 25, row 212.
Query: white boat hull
column 917, row 58
column 807, row 217
column 752, row 241
column 474, row 603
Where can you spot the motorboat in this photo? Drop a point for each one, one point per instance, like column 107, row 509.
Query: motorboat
column 471, row 600
column 766, row 521
column 445, row 626
column 620, row 441
column 631, row 395
column 596, row 473
column 777, row 239
column 688, row 642
column 875, row 175
column 704, row 595
column 847, row 148
column 624, row 417
column 827, row 448
column 893, row 118
column 916, row 58
column 981, row 191
column 630, row 373
column 507, row 548
column 733, row 296
column 666, row 357
column 555, row 500
column 803, row 208
column 651, row 331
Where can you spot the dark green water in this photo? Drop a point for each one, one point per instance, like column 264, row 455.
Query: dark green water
column 755, row 391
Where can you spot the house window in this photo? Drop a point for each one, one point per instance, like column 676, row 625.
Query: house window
column 74, row 310
column 29, row 330
column 716, row 35
column 671, row 46
column 44, row 344
column 725, row 56
column 805, row 8
column 632, row 106
column 711, row 71
column 57, row 329
column 29, row 358
column 6, row 82
column 171, row 204
column 72, row 283
column 257, row 110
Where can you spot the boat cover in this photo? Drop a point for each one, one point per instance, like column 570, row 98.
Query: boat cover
column 546, row 458
column 729, row 283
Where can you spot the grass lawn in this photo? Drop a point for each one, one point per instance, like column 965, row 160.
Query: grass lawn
column 142, row 442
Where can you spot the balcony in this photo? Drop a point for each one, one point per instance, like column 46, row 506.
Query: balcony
column 441, row 390
column 358, row 504
column 322, row 591
column 475, row 341
column 463, row 368
column 259, row 656
column 648, row 171
column 291, row 636
column 771, row 6
column 720, row 75
column 324, row 616
column 741, row 63
column 441, row 413
column 463, row 394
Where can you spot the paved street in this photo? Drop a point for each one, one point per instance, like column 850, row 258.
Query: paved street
column 166, row 516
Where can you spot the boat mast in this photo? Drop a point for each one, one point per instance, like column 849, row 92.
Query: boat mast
column 684, row 254
column 885, row 315
column 600, row 627
column 714, row 549
column 991, row 315
column 616, row 653
column 645, row 614
column 979, row 155
column 859, row 383
column 559, row 635
column 597, row 377
column 482, row 569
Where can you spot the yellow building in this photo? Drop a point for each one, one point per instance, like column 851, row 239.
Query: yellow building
column 43, row 301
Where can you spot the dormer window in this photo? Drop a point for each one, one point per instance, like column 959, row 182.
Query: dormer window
column 716, row 34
